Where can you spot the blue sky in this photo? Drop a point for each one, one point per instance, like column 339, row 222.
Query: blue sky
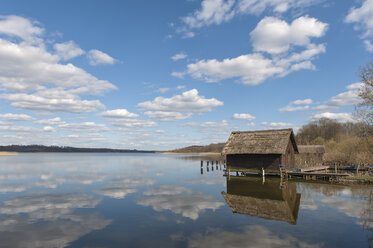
column 167, row 74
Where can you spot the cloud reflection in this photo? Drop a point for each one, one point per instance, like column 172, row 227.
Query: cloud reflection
column 251, row 236
column 179, row 200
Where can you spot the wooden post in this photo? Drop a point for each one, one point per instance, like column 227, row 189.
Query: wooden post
column 201, row 163
column 357, row 168
column 201, row 170
column 335, row 167
column 263, row 174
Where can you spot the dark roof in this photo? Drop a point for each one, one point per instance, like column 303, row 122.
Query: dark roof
column 260, row 142
column 311, row 149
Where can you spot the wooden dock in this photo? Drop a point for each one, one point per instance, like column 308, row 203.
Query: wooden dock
column 318, row 173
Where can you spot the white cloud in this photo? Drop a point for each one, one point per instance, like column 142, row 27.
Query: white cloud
column 53, row 121
column 49, row 129
column 133, row 123
column 39, row 103
column 189, row 102
column 363, row 19
column 83, row 127
column 68, row 50
column 341, row 117
column 302, row 102
column 246, row 117
column 23, row 28
column 179, row 56
column 118, row 114
column 297, row 105
column 290, row 108
column 179, row 87
column 252, row 69
column 275, row 36
column 211, row 12
column 348, row 98
column 123, row 118
column 33, row 77
column 162, row 90
column 278, row 6
column 167, row 116
column 368, row 45
column 279, row 125
column 16, row 117
column 96, row 57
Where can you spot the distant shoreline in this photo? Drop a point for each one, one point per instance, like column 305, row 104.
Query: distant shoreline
column 191, row 153
column 64, row 149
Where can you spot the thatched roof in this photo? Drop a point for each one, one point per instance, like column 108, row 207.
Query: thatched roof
column 311, row 149
column 263, row 208
column 260, row 142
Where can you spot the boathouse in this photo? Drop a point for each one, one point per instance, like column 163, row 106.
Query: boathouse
column 265, row 149
column 309, row 156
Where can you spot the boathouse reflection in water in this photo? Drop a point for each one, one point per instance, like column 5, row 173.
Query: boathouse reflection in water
column 271, row 200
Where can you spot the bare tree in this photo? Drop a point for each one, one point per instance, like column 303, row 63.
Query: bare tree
column 365, row 108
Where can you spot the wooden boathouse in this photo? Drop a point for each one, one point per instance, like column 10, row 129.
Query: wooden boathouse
column 263, row 149
column 309, row 156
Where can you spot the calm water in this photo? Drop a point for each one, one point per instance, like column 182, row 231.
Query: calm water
column 155, row 200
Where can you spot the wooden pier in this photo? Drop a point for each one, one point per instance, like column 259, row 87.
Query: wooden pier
column 310, row 174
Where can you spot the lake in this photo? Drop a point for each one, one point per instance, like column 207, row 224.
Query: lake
column 163, row 200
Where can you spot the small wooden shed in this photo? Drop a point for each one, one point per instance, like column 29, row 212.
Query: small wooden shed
column 309, row 156
column 261, row 149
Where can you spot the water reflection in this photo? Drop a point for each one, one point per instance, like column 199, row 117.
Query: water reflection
column 179, row 200
column 47, row 220
column 269, row 200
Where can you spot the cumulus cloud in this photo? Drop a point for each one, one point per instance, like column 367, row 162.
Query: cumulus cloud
column 189, row 101
column 118, row 113
column 52, row 121
column 341, row 117
column 216, row 12
column 16, row 117
column 96, row 57
column 275, row 36
column 162, row 90
column 211, row 12
column 40, row 103
column 34, row 78
column 246, row 117
column 167, row 116
column 84, row 126
column 178, row 200
column 68, row 50
column 179, row 107
column 257, row 7
column 179, row 56
column 363, row 19
column 347, row 98
column 252, row 69
column 279, row 125
column 20, row 27
column 301, row 104
column 49, row 129
column 124, row 118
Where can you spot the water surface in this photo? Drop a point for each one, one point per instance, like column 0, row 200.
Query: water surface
column 157, row 200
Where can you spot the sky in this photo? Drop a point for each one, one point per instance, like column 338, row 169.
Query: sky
column 136, row 74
